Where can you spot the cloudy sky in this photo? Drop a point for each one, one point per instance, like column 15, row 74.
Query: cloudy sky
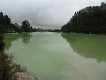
column 44, row 13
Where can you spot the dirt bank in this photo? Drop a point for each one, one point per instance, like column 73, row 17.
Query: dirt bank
column 25, row 76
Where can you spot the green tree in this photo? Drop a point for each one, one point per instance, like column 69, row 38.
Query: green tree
column 7, row 27
column 25, row 25
column 1, row 18
column 88, row 20
column 7, row 19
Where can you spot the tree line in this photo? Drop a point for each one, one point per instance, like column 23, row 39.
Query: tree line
column 6, row 26
column 91, row 19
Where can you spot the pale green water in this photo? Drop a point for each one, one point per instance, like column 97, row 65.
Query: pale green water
column 56, row 56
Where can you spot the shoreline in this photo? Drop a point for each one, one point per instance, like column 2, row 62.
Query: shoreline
column 25, row 76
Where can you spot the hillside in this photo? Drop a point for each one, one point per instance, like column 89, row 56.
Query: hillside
column 91, row 19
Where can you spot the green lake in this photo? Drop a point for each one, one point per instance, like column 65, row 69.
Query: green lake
column 59, row 56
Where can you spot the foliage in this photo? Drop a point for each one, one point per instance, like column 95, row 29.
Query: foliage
column 7, row 67
column 88, row 20
column 5, row 24
column 7, row 27
column 26, row 27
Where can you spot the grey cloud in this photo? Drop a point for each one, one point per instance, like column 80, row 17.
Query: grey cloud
column 44, row 13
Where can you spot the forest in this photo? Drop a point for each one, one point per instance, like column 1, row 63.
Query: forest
column 6, row 26
column 90, row 20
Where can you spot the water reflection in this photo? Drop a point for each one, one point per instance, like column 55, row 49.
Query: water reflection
column 50, row 56
column 89, row 46
column 25, row 37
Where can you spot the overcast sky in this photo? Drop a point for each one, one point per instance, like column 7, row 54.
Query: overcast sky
column 44, row 13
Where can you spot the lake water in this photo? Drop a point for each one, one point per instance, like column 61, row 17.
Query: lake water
column 59, row 56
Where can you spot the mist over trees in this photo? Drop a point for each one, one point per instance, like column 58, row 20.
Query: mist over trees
column 91, row 19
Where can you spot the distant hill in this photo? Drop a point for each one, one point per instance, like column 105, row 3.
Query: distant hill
column 91, row 19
